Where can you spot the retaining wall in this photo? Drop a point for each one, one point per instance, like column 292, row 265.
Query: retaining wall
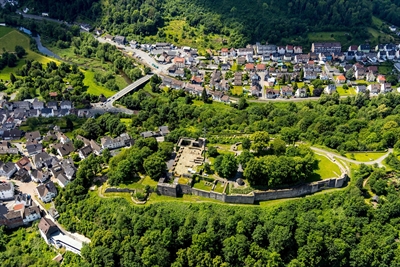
column 118, row 190
column 174, row 190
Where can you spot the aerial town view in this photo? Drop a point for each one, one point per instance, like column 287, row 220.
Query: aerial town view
column 199, row 133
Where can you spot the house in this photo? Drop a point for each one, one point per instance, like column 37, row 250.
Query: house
column 22, row 175
column 95, row 147
column 6, row 191
column 241, row 60
column 33, row 136
column 333, row 47
column 163, row 130
column 7, row 169
column 42, row 159
column 12, row 219
column 350, row 55
column 374, row 88
column 196, row 80
column 149, row 134
column 381, row 79
column 391, row 54
column 47, row 228
column 289, row 49
column 238, row 79
column 249, row 58
column 359, row 55
column 24, row 163
column 68, row 167
column 390, row 47
column 380, row 47
column 276, row 56
column 265, row 49
column 225, row 99
column 244, row 51
column 114, row 143
column 12, row 134
column 46, row 192
column 34, row 149
column 47, row 112
column 301, row 93
column 281, row 50
column 22, row 104
column 64, row 149
column 36, row 104
column 53, row 105
column 361, row 89
column 310, row 75
column 84, row 152
column 298, row 49
column 216, row 95
column 249, row 67
column 39, row 175
column 224, row 52
column 301, row 58
column 62, row 138
column 386, row 88
column 330, row 89
column 225, row 66
column 121, row 40
column 360, row 74
column 271, row 93
column 364, row 48
column 66, row 104
column 31, row 214
column 286, row 91
column 179, row 62
column 23, row 199
column 287, row 57
column 98, row 31
column 370, row 77
column 340, row 79
column 260, row 67
column 62, row 180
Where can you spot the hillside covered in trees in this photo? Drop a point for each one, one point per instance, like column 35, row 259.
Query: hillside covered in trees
column 241, row 22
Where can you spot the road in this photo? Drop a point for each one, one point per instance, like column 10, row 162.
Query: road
column 332, row 155
column 29, row 16
column 142, row 56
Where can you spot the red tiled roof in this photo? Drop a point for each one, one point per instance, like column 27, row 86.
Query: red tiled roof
column 249, row 66
column 341, row 77
column 53, row 94
column 224, row 50
column 19, row 206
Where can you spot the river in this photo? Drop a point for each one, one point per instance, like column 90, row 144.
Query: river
column 41, row 48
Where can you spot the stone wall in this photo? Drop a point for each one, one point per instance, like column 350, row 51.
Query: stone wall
column 167, row 189
column 301, row 190
column 118, row 190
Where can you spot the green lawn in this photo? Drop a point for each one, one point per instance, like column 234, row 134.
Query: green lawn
column 8, row 40
column 5, row 30
column 237, row 90
column 94, row 88
column 219, row 188
column 326, row 168
column 127, row 122
column 343, row 92
column 203, row 185
column 365, row 156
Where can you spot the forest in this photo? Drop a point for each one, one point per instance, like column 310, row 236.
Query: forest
column 241, row 22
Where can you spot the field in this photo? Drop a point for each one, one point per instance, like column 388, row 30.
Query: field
column 94, row 88
column 326, row 168
column 365, row 156
column 181, row 33
column 344, row 92
column 9, row 38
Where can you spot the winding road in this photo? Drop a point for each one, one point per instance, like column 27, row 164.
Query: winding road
column 333, row 155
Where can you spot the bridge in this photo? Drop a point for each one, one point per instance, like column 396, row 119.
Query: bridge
column 127, row 90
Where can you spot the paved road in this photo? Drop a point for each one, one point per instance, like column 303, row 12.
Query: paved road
column 331, row 154
column 142, row 56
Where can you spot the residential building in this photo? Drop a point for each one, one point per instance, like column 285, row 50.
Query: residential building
column 6, row 190
column 34, row 149
column 340, row 79
column 36, row 104
column 301, row 93
column 66, row 104
column 39, row 175
column 31, row 214
column 47, row 228
column 330, row 89
column 121, row 40
column 62, row 180
column 374, row 88
column 386, row 88
column 333, row 47
column 64, row 149
column 361, row 89
column 24, row 163
column 46, row 192
column 22, row 175
column 85, row 151
column 7, row 169
column 113, row 143
column 42, row 159
column 33, row 136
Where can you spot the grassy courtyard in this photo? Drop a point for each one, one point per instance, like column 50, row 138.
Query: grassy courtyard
column 326, row 168
column 365, row 156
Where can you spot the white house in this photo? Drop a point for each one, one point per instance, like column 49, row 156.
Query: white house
column 374, row 88
column 6, row 191
column 7, row 169
column 361, row 89
column 46, row 192
column 330, row 89
column 301, row 92
column 31, row 214
column 120, row 141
